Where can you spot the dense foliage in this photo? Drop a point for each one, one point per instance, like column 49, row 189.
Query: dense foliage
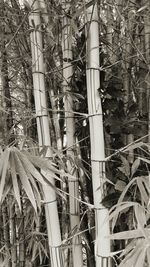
column 124, row 35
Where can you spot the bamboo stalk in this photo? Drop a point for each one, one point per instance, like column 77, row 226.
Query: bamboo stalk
column 128, row 48
column 6, row 233
column 70, row 136
column 147, row 56
column 13, row 240
column 52, row 219
column 102, row 243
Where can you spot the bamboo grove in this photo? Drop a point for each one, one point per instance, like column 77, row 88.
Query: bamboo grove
column 74, row 133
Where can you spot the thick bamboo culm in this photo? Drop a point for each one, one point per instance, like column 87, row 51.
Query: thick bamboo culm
column 102, row 243
column 52, row 219
column 70, row 137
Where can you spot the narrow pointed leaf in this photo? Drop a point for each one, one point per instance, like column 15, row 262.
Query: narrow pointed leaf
column 6, row 190
column 35, row 190
column 129, row 234
column 134, row 146
column 29, row 167
column 1, row 162
column 135, row 166
column 4, row 171
column 44, row 164
column 15, row 180
column 144, row 195
column 145, row 160
column 25, row 182
column 126, row 166
column 141, row 219
column 141, row 258
column 130, row 259
column 148, row 256
column 119, row 208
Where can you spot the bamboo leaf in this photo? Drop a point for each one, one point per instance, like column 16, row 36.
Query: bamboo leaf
column 15, row 180
column 141, row 219
column 144, row 195
column 126, row 189
column 1, row 162
column 29, row 167
column 141, row 258
column 145, row 160
column 36, row 191
column 134, row 146
column 83, row 8
column 4, row 171
column 141, row 8
column 34, row 251
column 148, row 256
column 25, row 182
column 44, row 164
column 130, row 259
column 7, row 190
column 45, row 177
column 120, row 185
column 128, row 248
column 125, row 168
column 135, row 166
column 48, row 166
column 137, row 233
column 119, row 208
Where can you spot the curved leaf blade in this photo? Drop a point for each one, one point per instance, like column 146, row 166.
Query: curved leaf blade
column 25, row 181
column 4, row 169
column 15, row 180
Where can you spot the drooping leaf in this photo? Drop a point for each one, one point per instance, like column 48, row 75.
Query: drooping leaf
column 48, row 166
column 1, row 162
column 29, row 167
column 141, row 258
column 135, row 166
column 25, row 181
column 125, row 168
column 42, row 163
column 5, row 162
column 113, row 214
column 126, row 189
column 7, row 189
column 129, row 247
column 35, row 190
column 131, row 258
column 148, row 256
column 141, row 219
column 144, row 195
column 15, row 180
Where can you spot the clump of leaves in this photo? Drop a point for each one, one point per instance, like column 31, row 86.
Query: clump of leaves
column 22, row 170
column 137, row 250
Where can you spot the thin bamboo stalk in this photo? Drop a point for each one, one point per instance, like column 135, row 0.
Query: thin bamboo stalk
column 102, row 243
column 147, row 56
column 127, row 63
column 13, row 240
column 52, row 219
column 70, row 136
column 6, row 233
column 21, row 238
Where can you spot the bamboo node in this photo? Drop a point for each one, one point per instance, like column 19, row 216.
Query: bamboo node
column 94, row 114
column 49, row 202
